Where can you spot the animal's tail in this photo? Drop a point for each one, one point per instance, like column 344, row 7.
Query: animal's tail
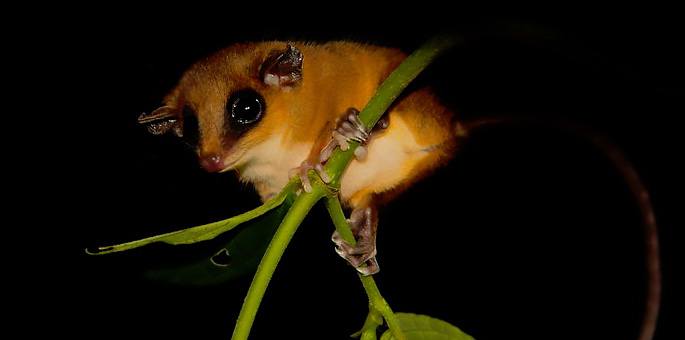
column 637, row 188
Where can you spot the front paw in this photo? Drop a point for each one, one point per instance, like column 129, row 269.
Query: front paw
column 349, row 129
column 302, row 172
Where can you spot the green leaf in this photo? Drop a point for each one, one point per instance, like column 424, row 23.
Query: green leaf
column 200, row 233
column 424, row 327
column 244, row 250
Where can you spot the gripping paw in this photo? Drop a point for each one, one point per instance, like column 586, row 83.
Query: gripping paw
column 302, row 172
column 362, row 253
column 363, row 223
column 350, row 128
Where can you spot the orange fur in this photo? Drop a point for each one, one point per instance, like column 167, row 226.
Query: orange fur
column 298, row 121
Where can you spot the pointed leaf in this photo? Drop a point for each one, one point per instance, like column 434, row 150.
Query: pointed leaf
column 199, row 233
column 423, row 327
column 238, row 257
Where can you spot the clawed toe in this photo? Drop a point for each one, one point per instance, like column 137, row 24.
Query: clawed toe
column 302, row 172
column 350, row 129
column 370, row 268
column 360, row 153
column 322, row 174
column 362, row 253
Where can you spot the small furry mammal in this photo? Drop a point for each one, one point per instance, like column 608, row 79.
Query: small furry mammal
column 264, row 109
column 270, row 110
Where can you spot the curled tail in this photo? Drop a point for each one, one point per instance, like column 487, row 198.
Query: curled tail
column 637, row 189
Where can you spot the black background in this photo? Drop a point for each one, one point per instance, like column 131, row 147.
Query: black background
column 527, row 233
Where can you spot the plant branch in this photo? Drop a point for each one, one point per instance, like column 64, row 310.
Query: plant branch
column 373, row 320
column 272, row 256
column 385, row 95
column 376, row 300
column 388, row 91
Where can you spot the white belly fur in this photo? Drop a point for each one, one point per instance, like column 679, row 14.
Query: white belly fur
column 268, row 163
column 391, row 156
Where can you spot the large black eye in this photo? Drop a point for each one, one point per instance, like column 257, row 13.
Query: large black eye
column 245, row 107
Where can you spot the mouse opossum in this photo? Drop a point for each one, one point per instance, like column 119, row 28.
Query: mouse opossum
column 271, row 110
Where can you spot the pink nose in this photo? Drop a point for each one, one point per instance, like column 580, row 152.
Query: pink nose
column 211, row 162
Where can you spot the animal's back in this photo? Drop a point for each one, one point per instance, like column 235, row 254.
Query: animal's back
column 420, row 133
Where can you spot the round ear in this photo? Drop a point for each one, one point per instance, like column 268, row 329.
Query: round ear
column 161, row 121
column 282, row 68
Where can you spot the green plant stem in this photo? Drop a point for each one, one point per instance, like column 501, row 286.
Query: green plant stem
column 373, row 320
column 385, row 95
column 376, row 300
column 389, row 90
column 273, row 254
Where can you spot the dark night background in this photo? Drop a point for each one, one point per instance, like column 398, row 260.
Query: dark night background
column 527, row 233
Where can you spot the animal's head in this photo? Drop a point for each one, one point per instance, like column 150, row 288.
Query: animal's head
column 227, row 103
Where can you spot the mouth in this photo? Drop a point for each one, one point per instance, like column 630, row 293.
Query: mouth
column 231, row 162
column 217, row 163
column 227, row 168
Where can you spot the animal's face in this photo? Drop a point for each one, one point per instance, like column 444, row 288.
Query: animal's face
column 221, row 104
